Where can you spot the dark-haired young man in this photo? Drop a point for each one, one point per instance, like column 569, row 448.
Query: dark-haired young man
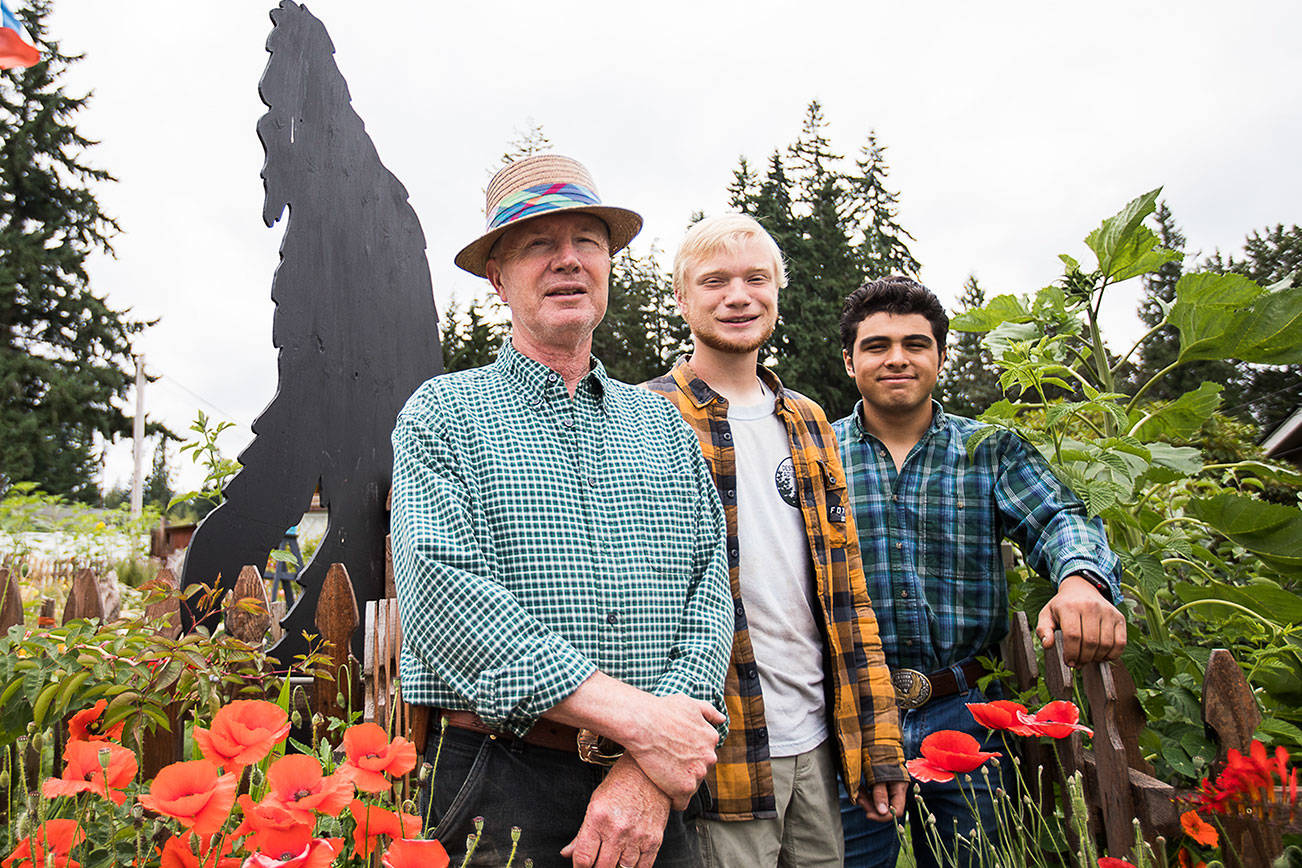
column 930, row 520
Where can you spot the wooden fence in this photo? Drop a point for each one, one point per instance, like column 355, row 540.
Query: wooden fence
column 1119, row 783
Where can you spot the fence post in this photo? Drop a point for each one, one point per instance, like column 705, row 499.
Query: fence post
column 83, row 598
column 11, row 608
column 161, row 747
column 336, row 619
column 247, row 613
column 1111, row 771
column 1019, row 653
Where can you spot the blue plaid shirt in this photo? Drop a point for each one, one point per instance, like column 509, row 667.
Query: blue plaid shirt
column 930, row 534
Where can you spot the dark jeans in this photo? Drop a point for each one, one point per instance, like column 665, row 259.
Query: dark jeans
column 869, row 844
column 509, row 783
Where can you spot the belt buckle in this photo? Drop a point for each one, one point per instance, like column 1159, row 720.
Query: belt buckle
column 912, row 688
column 596, row 749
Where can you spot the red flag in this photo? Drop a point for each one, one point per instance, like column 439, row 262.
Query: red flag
column 14, row 49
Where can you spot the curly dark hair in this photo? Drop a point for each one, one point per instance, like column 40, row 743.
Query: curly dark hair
column 896, row 295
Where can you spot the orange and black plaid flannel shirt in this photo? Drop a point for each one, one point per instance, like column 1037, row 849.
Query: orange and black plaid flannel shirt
column 860, row 700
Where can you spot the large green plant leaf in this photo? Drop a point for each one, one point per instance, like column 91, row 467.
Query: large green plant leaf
column 1227, row 316
column 1269, row 601
column 998, row 310
column 1182, row 417
column 1271, row 531
column 1125, row 247
column 1173, row 462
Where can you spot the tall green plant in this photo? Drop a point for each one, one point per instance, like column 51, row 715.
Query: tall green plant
column 1206, row 561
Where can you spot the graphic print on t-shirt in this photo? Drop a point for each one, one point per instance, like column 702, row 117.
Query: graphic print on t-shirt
column 785, row 479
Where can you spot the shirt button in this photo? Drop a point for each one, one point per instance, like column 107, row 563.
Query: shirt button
column 612, row 618
column 904, row 595
column 567, row 422
column 592, row 481
column 908, row 642
column 752, row 673
column 899, row 545
column 895, row 497
column 731, row 494
column 727, row 435
column 674, row 653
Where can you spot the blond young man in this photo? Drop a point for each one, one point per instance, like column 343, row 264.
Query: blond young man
column 808, row 693
column 558, row 551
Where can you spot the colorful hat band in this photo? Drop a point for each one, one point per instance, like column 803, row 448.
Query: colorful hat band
column 540, row 199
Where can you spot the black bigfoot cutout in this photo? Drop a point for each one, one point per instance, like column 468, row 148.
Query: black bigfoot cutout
column 355, row 326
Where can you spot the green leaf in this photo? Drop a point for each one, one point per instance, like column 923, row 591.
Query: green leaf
column 1147, row 570
column 1002, row 337
column 978, row 436
column 1173, row 462
column 1269, row 601
column 1117, row 242
column 1182, row 417
column 998, row 310
column 1271, row 531
column 1281, row 730
column 1278, row 473
column 1227, row 316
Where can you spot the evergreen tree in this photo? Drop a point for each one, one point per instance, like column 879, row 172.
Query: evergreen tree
column 65, row 354
column 157, row 487
column 472, row 338
column 642, row 333
column 827, row 224
column 969, row 383
column 882, row 250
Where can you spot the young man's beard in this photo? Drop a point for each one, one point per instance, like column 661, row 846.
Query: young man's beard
column 723, row 345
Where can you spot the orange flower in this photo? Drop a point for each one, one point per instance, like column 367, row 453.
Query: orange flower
column 243, row 733
column 408, row 853
column 294, row 848
column 194, row 794
column 1000, row 714
column 372, row 822
column 371, row 756
column 178, row 853
column 49, row 847
column 1199, row 829
column 296, row 783
column 88, row 725
column 84, row 771
column 1058, row 719
column 945, row 752
column 1248, row 780
column 265, row 821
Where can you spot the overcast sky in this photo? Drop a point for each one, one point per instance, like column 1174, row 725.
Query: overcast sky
column 1013, row 129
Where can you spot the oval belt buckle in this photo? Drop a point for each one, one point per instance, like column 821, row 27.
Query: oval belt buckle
column 596, row 749
column 912, row 688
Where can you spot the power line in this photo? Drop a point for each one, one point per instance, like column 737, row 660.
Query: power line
column 1260, row 398
column 183, row 387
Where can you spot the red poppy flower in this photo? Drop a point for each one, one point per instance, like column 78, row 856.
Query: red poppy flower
column 83, row 771
column 243, row 733
column 372, row 822
column 370, row 756
column 945, row 753
column 194, row 794
column 1109, row 862
column 1000, row 714
column 267, row 820
column 295, row 848
column 49, row 846
column 1199, row 829
column 88, row 725
column 410, row 853
column 178, row 852
column 1056, row 720
column 296, row 783
column 1249, row 780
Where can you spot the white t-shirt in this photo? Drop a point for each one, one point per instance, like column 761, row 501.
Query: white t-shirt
column 777, row 581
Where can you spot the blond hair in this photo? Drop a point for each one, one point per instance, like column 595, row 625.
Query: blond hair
column 725, row 232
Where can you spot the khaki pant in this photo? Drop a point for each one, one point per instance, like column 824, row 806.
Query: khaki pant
column 806, row 832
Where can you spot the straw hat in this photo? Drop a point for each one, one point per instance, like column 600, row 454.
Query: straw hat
column 535, row 187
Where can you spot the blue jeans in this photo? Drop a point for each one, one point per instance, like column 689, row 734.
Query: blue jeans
column 870, row 844
column 510, row 783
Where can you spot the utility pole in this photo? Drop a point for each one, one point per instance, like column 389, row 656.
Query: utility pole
column 138, row 440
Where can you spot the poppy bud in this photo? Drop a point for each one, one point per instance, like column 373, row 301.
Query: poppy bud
column 422, row 777
column 37, row 741
column 479, row 825
column 515, row 834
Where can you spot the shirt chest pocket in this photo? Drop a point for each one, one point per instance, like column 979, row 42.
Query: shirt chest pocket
column 835, row 505
column 661, row 514
column 957, row 529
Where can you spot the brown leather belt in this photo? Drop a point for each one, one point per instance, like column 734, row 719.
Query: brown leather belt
column 545, row 733
column 914, row 690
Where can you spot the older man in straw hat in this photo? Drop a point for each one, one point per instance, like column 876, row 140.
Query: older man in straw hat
column 559, row 550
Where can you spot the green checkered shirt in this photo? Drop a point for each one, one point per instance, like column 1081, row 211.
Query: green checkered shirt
column 539, row 538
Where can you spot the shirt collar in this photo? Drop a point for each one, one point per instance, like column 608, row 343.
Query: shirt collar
column 701, row 394
column 537, row 379
column 938, row 421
